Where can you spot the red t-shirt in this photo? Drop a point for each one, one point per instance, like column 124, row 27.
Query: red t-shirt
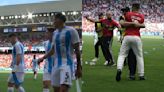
column 112, row 24
column 133, row 17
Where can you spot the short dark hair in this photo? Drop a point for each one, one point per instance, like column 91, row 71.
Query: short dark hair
column 100, row 15
column 60, row 16
column 126, row 9
column 136, row 6
column 12, row 35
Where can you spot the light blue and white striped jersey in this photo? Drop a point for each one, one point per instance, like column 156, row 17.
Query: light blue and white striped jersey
column 35, row 63
column 50, row 60
column 63, row 46
column 18, row 48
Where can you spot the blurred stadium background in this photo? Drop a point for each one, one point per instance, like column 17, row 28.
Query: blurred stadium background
column 29, row 19
column 152, row 9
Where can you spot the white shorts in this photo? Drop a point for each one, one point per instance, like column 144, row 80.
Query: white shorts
column 46, row 76
column 61, row 76
column 16, row 78
column 35, row 69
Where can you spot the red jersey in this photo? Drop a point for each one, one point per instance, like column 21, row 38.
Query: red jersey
column 112, row 24
column 133, row 17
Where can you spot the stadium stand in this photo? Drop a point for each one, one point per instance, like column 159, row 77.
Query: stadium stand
column 153, row 11
column 7, row 58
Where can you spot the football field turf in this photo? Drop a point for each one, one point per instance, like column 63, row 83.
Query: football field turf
column 101, row 78
column 29, row 84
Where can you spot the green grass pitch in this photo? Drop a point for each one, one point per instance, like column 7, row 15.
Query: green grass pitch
column 29, row 84
column 100, row 78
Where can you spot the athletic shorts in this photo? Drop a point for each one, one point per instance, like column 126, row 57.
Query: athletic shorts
column 61, row 76
column 35, row 69
column 16, row 78
column 46, row 76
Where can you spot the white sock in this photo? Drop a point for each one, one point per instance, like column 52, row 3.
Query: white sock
column 21, row 89
column 35, row 76
column 46, row 90
column 10, row 89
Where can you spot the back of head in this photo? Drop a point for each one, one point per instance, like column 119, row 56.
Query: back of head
column 34, row 56
column 125, row 10
column 135, row 7
column 100, row 15
column 12, row 35
column 61, row 17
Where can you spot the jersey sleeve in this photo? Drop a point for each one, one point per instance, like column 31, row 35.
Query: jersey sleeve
column 75, row 36
column 116, row 24
column 142, row 18
column 18, row 49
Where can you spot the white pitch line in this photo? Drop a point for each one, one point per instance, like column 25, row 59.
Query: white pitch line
column 78, row 86
column 145, row 52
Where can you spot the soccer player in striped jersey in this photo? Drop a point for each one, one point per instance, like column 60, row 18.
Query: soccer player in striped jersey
column 16, row 77
column 49, row 62
column 34, row 65
column 65, row 44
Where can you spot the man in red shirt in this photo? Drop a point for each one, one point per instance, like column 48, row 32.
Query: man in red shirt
column 134, row 21
column 107, row 38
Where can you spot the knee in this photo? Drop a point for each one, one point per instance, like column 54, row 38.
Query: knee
column 10, row 84
column 56, row 89
column 17, row 87
column 46, row 84
column 64, row 88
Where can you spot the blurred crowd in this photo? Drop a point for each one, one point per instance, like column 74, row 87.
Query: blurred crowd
column 5, row 60
column 26, row 39
column 153, row 10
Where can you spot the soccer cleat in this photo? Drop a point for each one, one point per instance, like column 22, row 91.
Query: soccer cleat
column 94, row 60
column 118, row 76
column 112, row 64
column 106, row 63
column 131, row 77
column 92, row 63
column 142, row 78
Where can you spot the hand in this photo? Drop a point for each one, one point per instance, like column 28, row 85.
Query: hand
column 40, row 60
column 78, row 72
column 15, row 69
column 139, row 25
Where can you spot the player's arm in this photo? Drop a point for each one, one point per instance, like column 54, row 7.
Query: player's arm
column 50, row 53
column 31, row 63
column 116, row 25
column 131, row 24
column 78, row 57
column 76, row 45
column 140, row 25
column 18, row 57
column 91, row 20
